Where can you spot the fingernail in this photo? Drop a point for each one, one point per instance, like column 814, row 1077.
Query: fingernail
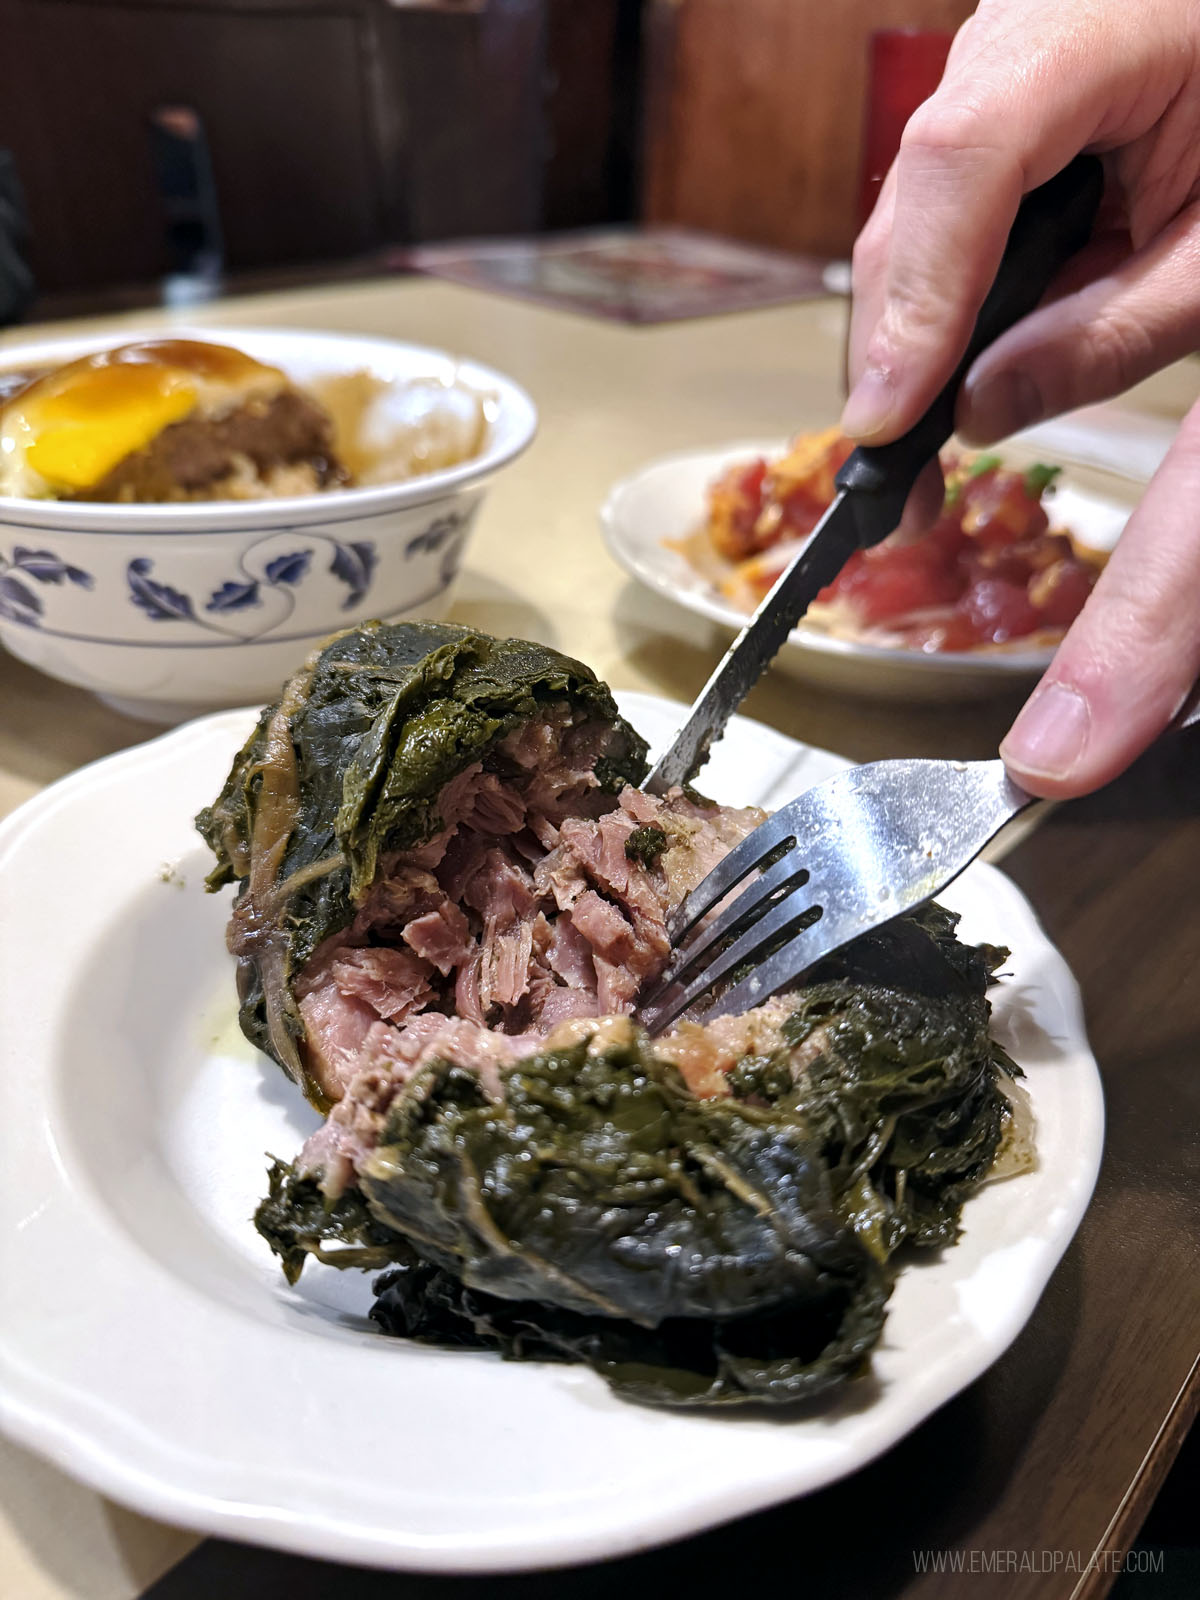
column 1001, row 404
column 1049, row 736
column 870, row 404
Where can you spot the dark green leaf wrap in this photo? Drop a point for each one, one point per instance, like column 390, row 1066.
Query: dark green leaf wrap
column 602, row 1182
column 349, row 765
column 585, row 1203
column 693, row 1251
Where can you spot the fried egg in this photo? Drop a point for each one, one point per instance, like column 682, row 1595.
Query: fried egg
column 64, row 431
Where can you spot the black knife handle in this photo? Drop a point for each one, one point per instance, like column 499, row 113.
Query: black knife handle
column 1052, row 224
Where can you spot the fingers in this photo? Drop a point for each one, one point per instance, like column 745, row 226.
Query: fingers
column 1133, row 654
column 1026, row 89
column 957, row 187
column 1139, row 312
column 869, row 274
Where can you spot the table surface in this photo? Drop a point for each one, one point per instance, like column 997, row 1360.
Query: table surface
column 1038, row 1476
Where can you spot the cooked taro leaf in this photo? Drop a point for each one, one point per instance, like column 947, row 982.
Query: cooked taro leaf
column 646, row 845
column 689, row 1250
column 349, row 765
column 603, row 1184
column 692, row 1251
column 915, row 1070
column 298, row 1221
column 902, row 1020
column 777, row 1358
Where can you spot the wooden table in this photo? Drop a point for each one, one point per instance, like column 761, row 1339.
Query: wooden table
column 1047, row 1465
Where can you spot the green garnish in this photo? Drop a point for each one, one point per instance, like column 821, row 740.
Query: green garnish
column 646, row 845
column 982, row 464
column 1038, row 479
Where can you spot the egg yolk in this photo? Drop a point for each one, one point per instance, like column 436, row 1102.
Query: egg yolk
column 77, row 433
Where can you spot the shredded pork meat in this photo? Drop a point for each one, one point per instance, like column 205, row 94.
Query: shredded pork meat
column 521, row 922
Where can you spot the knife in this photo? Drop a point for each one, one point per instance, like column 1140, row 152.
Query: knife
column 1052, row 224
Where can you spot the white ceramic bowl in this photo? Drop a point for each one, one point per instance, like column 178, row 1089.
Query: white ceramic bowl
column 167, row 610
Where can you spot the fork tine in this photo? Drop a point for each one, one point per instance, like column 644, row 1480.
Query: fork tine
column 784, row 874
column 810, row 945
column 663, row 1010
column 729, row 872
column 876, row 841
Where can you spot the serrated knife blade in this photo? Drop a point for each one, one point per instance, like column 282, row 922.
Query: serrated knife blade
column 853, row 518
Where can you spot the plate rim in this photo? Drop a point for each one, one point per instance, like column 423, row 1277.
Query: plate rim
column 75, row 1446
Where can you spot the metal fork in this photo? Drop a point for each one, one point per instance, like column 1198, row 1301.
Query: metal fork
column 846, row 857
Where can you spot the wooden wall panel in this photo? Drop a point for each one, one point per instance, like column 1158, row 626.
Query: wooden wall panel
column 280, row 94
column 754, row 113
column 335, row 126
column 580, row 48
column 463, row 90
column 508, row 119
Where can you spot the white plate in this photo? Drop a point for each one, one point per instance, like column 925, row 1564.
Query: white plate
column 665, row 501
column 150, row 1346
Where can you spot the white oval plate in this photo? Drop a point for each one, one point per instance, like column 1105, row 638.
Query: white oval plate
column 665, row 501
column 150, row 1346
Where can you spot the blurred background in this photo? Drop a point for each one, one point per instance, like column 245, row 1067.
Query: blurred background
column 157, row 148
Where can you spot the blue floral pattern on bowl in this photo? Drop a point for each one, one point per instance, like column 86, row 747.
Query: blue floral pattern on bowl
column 20, row 603
column 237, row 594
column 353, row 563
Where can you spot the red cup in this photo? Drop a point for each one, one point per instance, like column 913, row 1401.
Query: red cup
column 904, row 67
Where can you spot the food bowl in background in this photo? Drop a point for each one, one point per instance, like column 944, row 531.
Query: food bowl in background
column 168, row 610
column 651, row 517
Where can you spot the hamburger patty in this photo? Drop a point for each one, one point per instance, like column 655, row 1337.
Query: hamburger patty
column 247, row 449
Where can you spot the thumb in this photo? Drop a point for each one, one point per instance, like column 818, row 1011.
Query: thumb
column 1133, row 654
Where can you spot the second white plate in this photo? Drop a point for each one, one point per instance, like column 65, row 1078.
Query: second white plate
column 664, row 503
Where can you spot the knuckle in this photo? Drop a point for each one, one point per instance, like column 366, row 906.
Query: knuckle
column 917, row 316
column 1133, row 621
column 1121, row 350
column 949, row 128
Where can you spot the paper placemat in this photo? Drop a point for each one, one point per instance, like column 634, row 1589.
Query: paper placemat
column 635, row 275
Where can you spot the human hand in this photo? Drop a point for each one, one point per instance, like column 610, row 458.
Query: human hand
column 1030, row 83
